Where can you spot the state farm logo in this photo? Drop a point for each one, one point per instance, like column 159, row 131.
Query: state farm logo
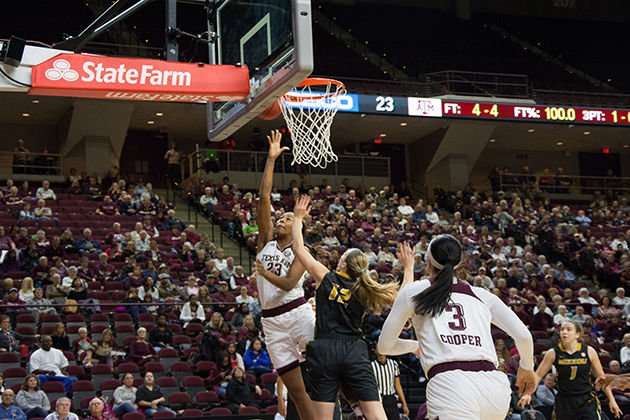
column 121, row 74
column 61, row 70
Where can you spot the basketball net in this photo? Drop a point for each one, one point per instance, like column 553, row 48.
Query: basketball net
column 309, row 110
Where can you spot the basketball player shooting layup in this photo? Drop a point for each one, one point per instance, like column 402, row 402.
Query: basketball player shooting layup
column 287, row 319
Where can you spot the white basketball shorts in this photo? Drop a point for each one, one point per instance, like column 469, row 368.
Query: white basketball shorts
column 459, row 395
column 287, row 335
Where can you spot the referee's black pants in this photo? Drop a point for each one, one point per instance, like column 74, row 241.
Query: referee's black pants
column 390, row 404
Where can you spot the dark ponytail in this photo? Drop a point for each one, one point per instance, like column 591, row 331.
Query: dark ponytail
column 446, row 251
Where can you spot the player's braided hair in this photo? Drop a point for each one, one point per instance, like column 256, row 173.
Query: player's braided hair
column 444, row 253
column 371, row 294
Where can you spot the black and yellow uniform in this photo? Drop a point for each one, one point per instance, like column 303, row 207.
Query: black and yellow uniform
column 338, row 357
column 576, row 399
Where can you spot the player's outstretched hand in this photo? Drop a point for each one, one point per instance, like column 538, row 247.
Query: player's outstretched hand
column 302, row 207
column 618, row 382
column 526, row 381
column 405, row 255
column 525, row 401
column 274, row 144
column 614, row 408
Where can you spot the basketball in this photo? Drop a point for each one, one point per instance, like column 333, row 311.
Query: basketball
column 272, row 112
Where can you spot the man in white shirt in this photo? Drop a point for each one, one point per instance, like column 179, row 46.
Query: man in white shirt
column 220, row 262
column 50, row 364
column 620, row 299
column 405, row 209
column 44, row 192
column 620, row 240
column 62, row 410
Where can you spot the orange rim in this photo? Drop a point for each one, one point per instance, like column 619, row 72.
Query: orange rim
column 315, row 81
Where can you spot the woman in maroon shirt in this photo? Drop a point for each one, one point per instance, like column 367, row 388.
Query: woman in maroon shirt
column 140, row 351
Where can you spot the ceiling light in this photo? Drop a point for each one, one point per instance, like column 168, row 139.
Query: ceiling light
column 159, row 114
column 150, row 122
column 383, row 135
column 492, row 140
column 586, row 133
column 559, row 143
column 625, row 146
column 531, row 130
column 35, row 101
column 26, row 114
column 403, row 124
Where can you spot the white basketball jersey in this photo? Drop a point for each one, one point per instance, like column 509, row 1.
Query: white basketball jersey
column 278, row 262
column 460, row 333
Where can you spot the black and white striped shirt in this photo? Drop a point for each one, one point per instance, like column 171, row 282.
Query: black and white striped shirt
column 385, row 374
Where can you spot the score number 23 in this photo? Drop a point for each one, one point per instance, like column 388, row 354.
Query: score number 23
column 384, row 104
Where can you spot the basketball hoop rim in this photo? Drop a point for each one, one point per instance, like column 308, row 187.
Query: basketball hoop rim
column 315, row 81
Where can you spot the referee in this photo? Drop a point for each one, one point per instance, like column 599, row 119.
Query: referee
column 388, row 381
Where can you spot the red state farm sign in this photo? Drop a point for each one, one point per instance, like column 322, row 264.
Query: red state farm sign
column 90, row 76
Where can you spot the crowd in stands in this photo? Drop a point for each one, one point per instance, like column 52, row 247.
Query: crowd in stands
column 122, row 285
column 548, row 261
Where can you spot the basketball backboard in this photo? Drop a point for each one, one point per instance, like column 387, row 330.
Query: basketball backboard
column 274, row 39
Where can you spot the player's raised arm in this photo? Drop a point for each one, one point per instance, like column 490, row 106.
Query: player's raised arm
column 265, row 227
column 285, row 283
column 388, row 341
column 405, row 258
column 316, row 269
column 507, row 320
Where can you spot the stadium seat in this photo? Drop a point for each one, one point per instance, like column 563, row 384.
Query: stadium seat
column 178, row 400
column 272, row 409
column 100, row 372
column 113, row 285
column 108, row 386
column 168, row 385
column 180, row 370
column 124, row 330
column 99, row 319
column 26, row 320
column 192, row 412
column 49, row 319
column 123, row 318
column 167, row 357
column 220, row 411
column 75, row 320
column 147, row 317
column 8, row 360
column 193, row 385
column 14, row 375
column 133, row 416
column 248, row 411
column 82, row 389
column 76, row 371
column 206, row 399
column 54, row 390
column 128, row 367
column 163, row 415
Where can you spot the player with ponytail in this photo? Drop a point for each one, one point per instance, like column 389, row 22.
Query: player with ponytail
column 452, row 321
column 338, row 357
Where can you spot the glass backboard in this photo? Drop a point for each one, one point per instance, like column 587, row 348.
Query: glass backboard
column 274, row 39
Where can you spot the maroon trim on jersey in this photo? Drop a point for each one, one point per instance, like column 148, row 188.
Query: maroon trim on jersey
column 461, row 287
column 464, row 288
column 476, row 366
column 281, row 371
column 279, row 310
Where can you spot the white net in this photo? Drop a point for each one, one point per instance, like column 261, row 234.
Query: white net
column 309, row 111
